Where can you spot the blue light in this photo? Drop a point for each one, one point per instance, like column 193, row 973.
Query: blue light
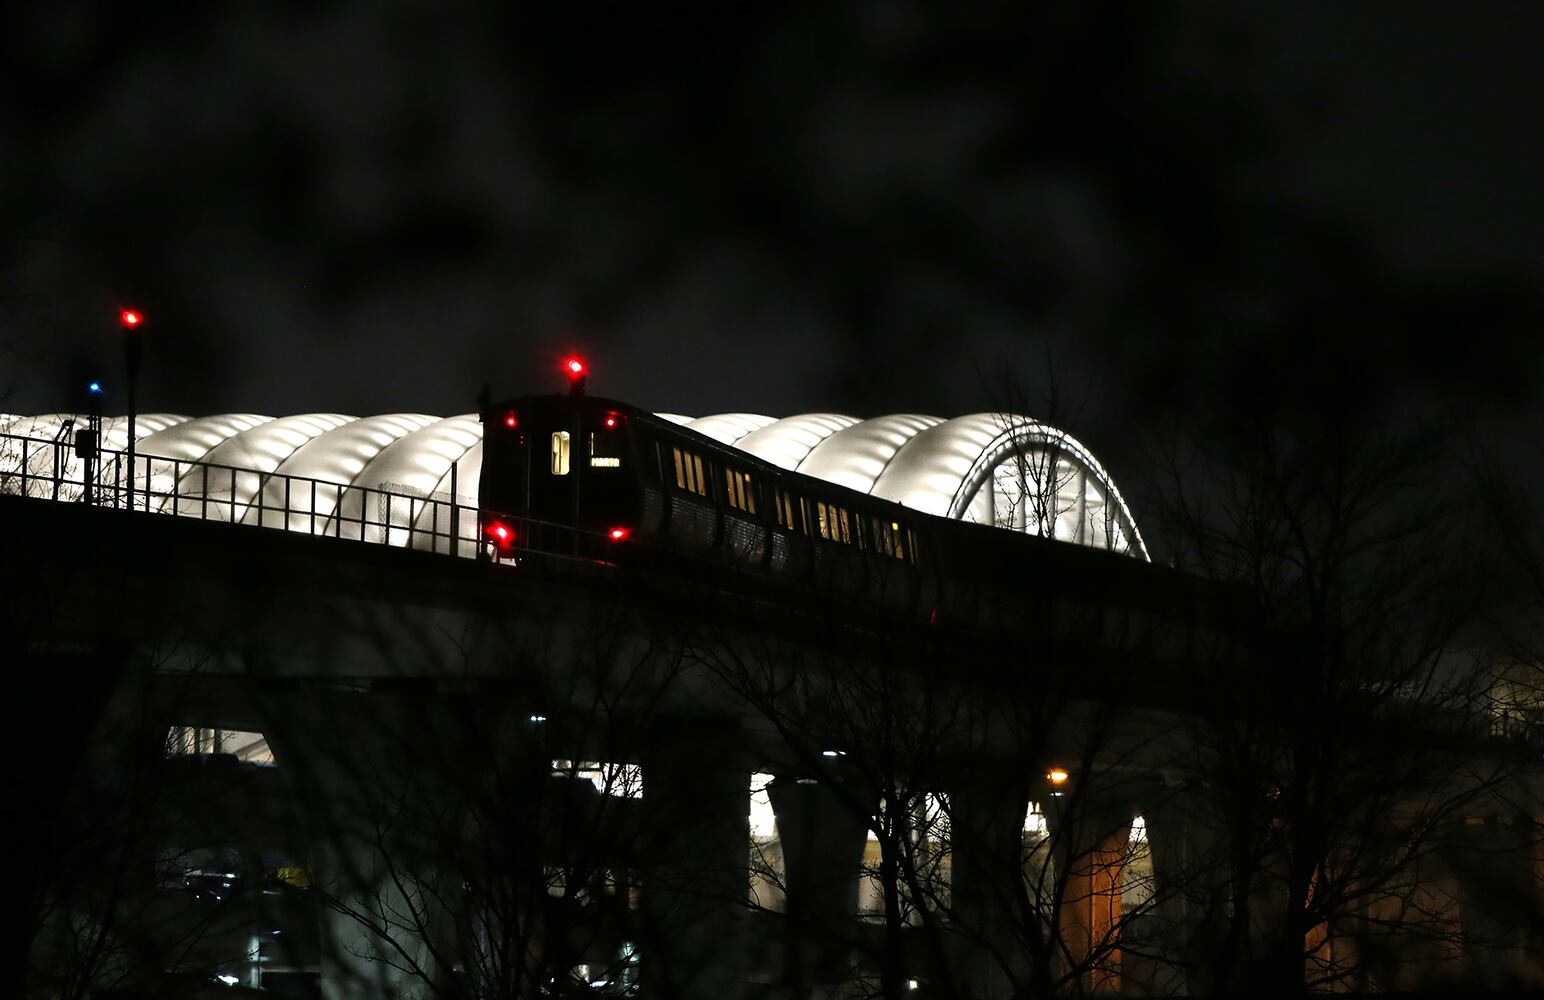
column 95, row 387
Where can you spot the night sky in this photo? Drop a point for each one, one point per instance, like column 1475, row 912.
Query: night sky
column 867, row 207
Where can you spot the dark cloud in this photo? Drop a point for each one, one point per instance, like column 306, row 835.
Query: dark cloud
column 886, row 206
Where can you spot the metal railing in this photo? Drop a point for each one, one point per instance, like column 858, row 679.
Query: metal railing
column 388, row 514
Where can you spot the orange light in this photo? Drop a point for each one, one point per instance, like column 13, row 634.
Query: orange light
column 129, row 318
column 617, row 534
column 1056, row 776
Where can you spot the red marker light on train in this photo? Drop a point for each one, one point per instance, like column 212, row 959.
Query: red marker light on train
column 617, row 534
column 574, row 367
column 510, row 420
column 611, row 421
column 501, row 533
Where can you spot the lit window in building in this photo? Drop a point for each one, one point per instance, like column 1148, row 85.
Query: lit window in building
column 1034, row 822
column 189, row 741
column 623, row 781
column 767, row 869
column 926, row 827
column 1136, row 878
column 1039, row 861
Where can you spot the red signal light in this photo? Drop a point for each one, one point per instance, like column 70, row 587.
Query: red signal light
column 574, row 366
column 510, row 420
column 130, row 318
column 611, row 421
column 617, row 534
column 501, row 533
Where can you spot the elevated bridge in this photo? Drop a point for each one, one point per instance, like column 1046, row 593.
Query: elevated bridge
column 695, row 780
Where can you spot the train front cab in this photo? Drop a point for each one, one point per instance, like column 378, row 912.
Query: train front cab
column 555, row 463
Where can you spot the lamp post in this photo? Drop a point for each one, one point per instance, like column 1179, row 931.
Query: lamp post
column 88, row 443
column 129, row 320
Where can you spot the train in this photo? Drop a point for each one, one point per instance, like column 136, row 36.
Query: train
column 650, row 489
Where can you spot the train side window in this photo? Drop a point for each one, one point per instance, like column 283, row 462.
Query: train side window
column 740, row 491
column 911, row 545
column 789, row 511
column 560, row 451
column 835, row 522
column 688, row 472
column 883, row 540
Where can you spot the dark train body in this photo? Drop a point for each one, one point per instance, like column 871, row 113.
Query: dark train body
column 646, row 488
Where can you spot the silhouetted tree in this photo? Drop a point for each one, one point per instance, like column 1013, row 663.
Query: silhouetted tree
column 1333, row 763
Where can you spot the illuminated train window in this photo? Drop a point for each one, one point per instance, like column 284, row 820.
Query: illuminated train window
column 560, row 453
column 891, row 539
column 835, row 522
column 190, row 741
column 688, row 472
column 790, row 512
column 739, row 491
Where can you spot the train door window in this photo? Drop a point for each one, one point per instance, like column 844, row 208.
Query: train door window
column 560, row 453
column 702, row 480
column 911, row 546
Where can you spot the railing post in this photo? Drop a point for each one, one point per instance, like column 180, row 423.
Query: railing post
column 455, row 515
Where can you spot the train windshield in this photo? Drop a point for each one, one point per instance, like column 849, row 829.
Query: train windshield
column 606, row 443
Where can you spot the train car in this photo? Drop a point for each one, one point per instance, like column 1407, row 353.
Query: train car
column 638, row 487
column 623, row 475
